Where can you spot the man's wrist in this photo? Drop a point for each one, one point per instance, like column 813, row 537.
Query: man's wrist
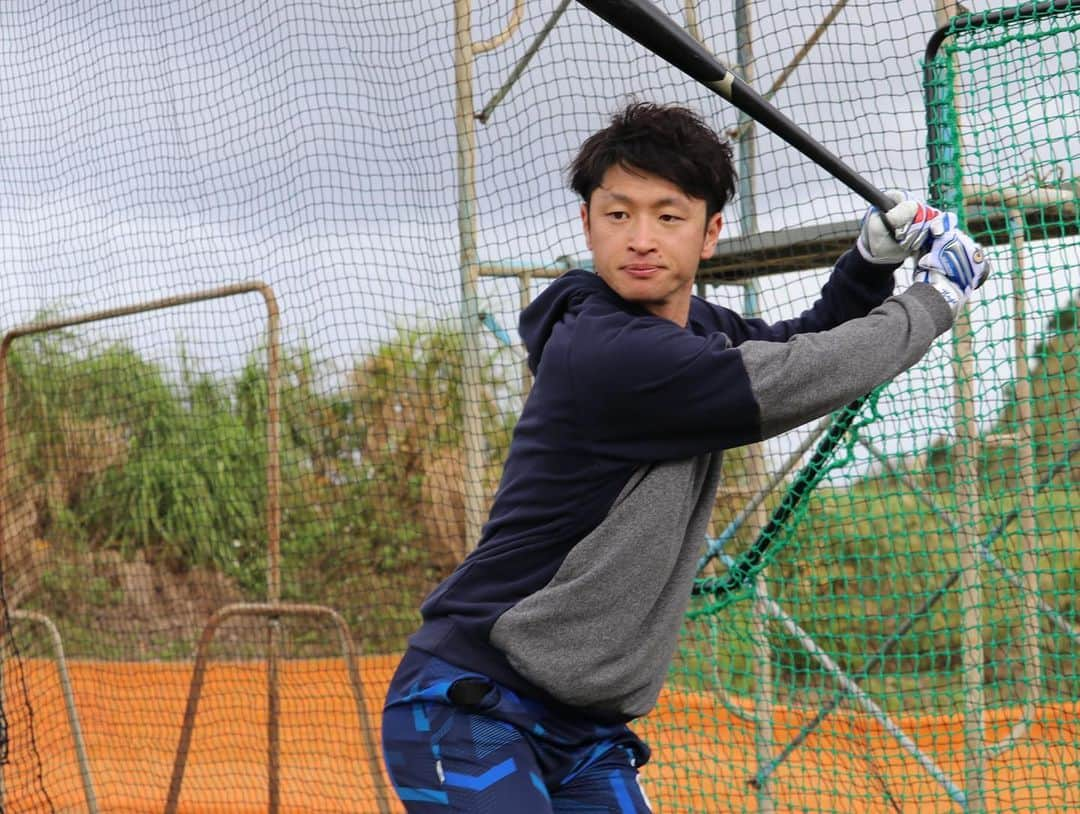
column 869, row 268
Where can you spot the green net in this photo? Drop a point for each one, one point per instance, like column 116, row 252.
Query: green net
column 240, row 240
column 915, row 632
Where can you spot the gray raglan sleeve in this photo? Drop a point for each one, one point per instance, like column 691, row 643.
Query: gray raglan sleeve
column 813, row 374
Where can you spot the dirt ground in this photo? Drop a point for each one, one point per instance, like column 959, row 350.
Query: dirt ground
column 131, row 714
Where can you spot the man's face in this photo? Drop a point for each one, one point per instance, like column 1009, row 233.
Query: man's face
column 647, row 238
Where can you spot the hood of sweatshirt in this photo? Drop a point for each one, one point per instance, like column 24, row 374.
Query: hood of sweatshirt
column 565, row 294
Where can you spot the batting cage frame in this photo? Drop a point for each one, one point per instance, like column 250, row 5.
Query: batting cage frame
column 883, row 618
column 273, row 519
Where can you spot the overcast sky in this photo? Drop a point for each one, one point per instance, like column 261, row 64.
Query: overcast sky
column 158, row 149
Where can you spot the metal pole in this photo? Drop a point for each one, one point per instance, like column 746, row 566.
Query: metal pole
column 474, row 435
column 966, row 469
column 69, row 704
column 800, row 55
column 1010, row 576
column 920, row 613
column 1029, row 553
column 861, row 697
column 273, row 715
column 273, row 545
column 874, row 662
column 522, row 63
column 764, row 697
column 692, row 26
column 965, row 475
column 198, row 677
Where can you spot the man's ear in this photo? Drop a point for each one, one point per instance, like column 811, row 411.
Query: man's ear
column 712, row 234
column 585, row 225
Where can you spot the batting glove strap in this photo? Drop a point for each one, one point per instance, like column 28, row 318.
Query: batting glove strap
column 954, row 297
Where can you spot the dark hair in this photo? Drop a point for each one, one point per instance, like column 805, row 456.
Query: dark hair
column 665, row 140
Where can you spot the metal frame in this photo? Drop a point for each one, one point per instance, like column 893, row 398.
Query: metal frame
column 273, row 609
column 1016, row 211
column 83, row 319
column 982, row 550
column 1021, row 211
column 465, row 51
column 89, row 795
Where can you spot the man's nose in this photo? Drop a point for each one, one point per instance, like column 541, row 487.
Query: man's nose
column 642, row 236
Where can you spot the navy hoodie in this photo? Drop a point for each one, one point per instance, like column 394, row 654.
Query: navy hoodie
column 576, row 590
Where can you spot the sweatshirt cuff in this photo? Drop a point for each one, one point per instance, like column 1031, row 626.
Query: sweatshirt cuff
column 878, row 272
column 930, row 298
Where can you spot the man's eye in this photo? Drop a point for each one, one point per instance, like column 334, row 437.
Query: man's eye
column 617, row 215
column 670, row 218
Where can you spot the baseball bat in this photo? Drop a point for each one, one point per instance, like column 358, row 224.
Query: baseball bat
column 643, row 22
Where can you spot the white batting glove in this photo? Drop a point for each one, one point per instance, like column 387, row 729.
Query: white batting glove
column 955, row 264
column 902, row 231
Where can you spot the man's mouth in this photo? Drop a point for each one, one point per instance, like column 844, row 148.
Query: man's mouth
column 641, row 270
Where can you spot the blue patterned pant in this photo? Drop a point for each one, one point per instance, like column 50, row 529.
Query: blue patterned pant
column 455, row 741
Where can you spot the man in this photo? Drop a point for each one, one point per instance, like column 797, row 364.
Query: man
column 515, row 693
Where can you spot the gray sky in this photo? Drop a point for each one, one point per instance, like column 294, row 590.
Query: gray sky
column 157, row 149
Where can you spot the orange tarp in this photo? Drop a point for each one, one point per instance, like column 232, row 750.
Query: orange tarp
column 131, row 715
